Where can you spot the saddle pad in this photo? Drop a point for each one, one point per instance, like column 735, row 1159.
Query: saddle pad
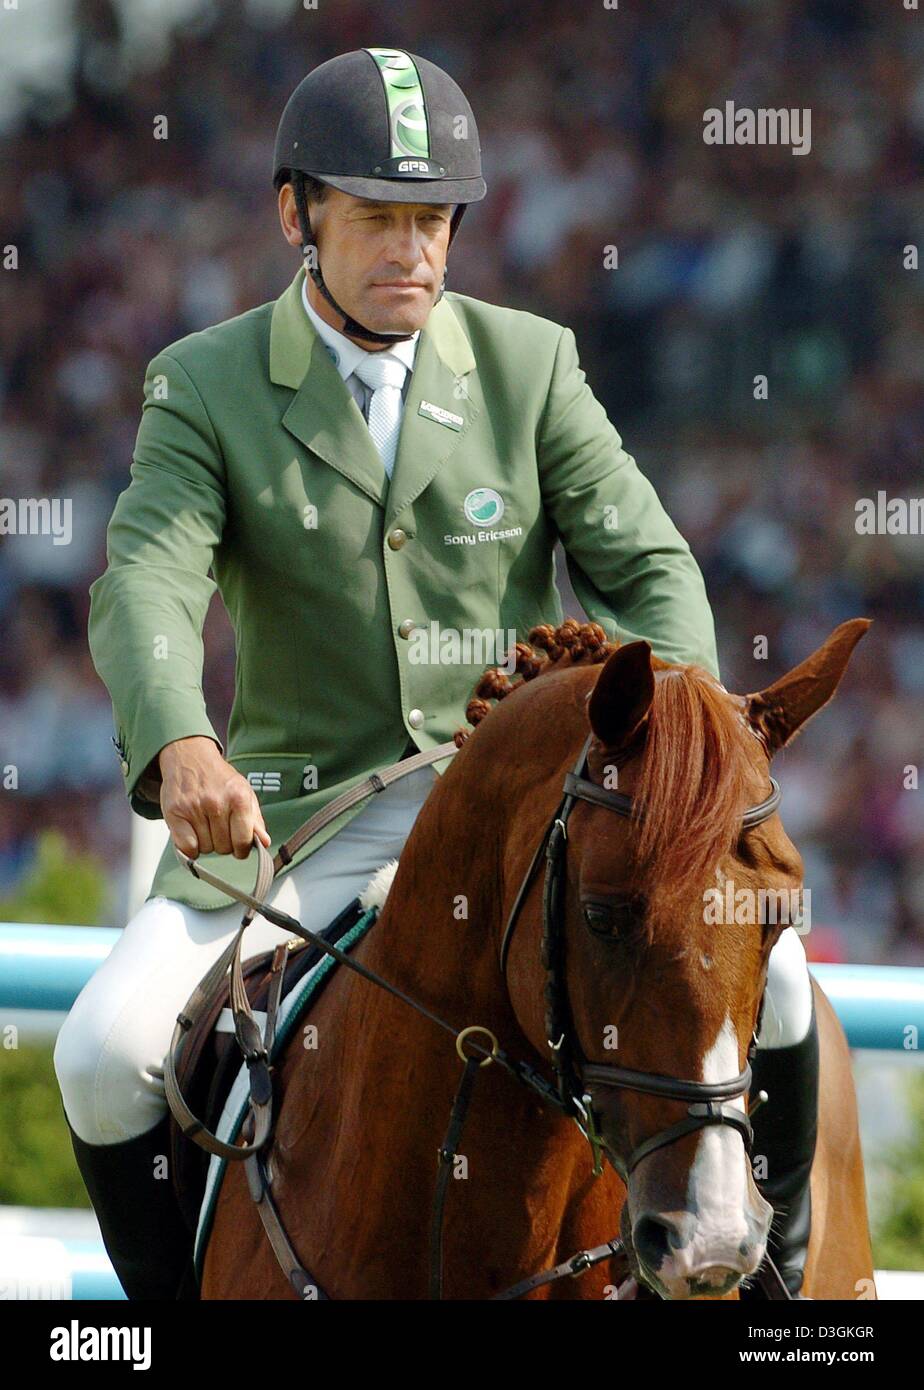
column 293, row 1006
column 210, row 1059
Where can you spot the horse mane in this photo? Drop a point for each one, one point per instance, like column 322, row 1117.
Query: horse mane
column 548, row 649
column 694, row 771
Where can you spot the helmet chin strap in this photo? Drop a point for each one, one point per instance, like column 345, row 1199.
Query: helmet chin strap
column 351, row 327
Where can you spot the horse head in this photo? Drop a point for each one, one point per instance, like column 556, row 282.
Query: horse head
column 654, row 973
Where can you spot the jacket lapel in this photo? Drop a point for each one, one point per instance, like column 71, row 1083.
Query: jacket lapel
column 322, row 414
column 444, row 358
column 324, row 417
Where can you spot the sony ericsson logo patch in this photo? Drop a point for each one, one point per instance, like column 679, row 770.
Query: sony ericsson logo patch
column 440, row 415
column 483, row 506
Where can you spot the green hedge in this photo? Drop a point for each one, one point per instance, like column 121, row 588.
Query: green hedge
column 37, row 1167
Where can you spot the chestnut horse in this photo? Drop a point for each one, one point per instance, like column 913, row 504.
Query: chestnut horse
column 361, row 1118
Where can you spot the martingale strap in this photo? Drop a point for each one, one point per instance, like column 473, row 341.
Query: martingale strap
column 375, row 782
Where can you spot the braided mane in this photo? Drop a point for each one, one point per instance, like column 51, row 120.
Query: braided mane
column 694, row 772
column 549, row 648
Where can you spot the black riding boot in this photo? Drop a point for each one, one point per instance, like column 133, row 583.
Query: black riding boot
column 146, row 1238
column 785, row 1130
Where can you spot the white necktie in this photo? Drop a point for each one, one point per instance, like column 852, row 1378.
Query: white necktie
column 385, row 375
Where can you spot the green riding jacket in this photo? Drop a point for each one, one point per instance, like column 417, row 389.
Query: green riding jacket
column 254, row 472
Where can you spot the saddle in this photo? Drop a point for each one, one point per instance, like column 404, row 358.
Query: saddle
column 211, row 1059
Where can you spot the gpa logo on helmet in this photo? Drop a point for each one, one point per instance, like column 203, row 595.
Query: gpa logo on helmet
column 408, row 166
column 483, row 506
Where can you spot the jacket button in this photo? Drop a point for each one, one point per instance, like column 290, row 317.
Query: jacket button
column 415, row 718
column 124, row 766
column 406, row 628
column 397, row 538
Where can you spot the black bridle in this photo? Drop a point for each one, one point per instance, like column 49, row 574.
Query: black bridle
column 574, row 1073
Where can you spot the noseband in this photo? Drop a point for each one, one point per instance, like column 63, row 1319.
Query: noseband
column 574, row 1073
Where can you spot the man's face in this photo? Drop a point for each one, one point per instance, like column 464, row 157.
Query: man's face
column 383, row 262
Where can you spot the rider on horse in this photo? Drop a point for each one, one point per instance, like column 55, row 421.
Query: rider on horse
column 350, row 465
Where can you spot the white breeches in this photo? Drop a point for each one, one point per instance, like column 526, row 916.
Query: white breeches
column 110, row 1051
column 788, row 1000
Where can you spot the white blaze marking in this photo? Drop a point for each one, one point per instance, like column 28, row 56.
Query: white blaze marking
column 717, row 1185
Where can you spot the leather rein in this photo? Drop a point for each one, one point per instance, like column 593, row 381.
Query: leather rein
column 573, row 1073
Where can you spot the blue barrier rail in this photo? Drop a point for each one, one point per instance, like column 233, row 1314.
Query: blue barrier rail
column 44, row 968
column 43, row 1268
column 36, row 1268
column 81, row 1270
column 880, row 1007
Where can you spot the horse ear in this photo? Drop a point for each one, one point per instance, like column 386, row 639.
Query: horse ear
column 778, row 712
column 622, row 696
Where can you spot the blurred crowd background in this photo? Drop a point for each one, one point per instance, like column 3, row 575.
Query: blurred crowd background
column 734, row 262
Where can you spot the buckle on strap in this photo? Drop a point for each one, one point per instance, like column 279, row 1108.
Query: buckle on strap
column 579, row 1263
column 584, row 1119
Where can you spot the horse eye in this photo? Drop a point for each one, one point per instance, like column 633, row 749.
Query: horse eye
column 612, row 916
column 598, row 917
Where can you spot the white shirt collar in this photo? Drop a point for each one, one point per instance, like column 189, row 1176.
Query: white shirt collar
column 345, row 353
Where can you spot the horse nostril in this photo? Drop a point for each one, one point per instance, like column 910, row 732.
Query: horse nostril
column 654, row 1237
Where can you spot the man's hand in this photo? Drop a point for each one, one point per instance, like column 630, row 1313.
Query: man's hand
column 208, row 806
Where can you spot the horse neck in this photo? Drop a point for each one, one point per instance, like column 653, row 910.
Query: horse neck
column 437, row 933
column 440, row 929
column 529, row 1159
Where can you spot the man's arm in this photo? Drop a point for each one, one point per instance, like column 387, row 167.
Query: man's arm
column 146, row 618
column 631, row 568
column 147, row 610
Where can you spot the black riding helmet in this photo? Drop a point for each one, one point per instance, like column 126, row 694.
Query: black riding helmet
column 378, row 123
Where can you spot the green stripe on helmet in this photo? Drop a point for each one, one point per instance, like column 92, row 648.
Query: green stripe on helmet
column 407, row 114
